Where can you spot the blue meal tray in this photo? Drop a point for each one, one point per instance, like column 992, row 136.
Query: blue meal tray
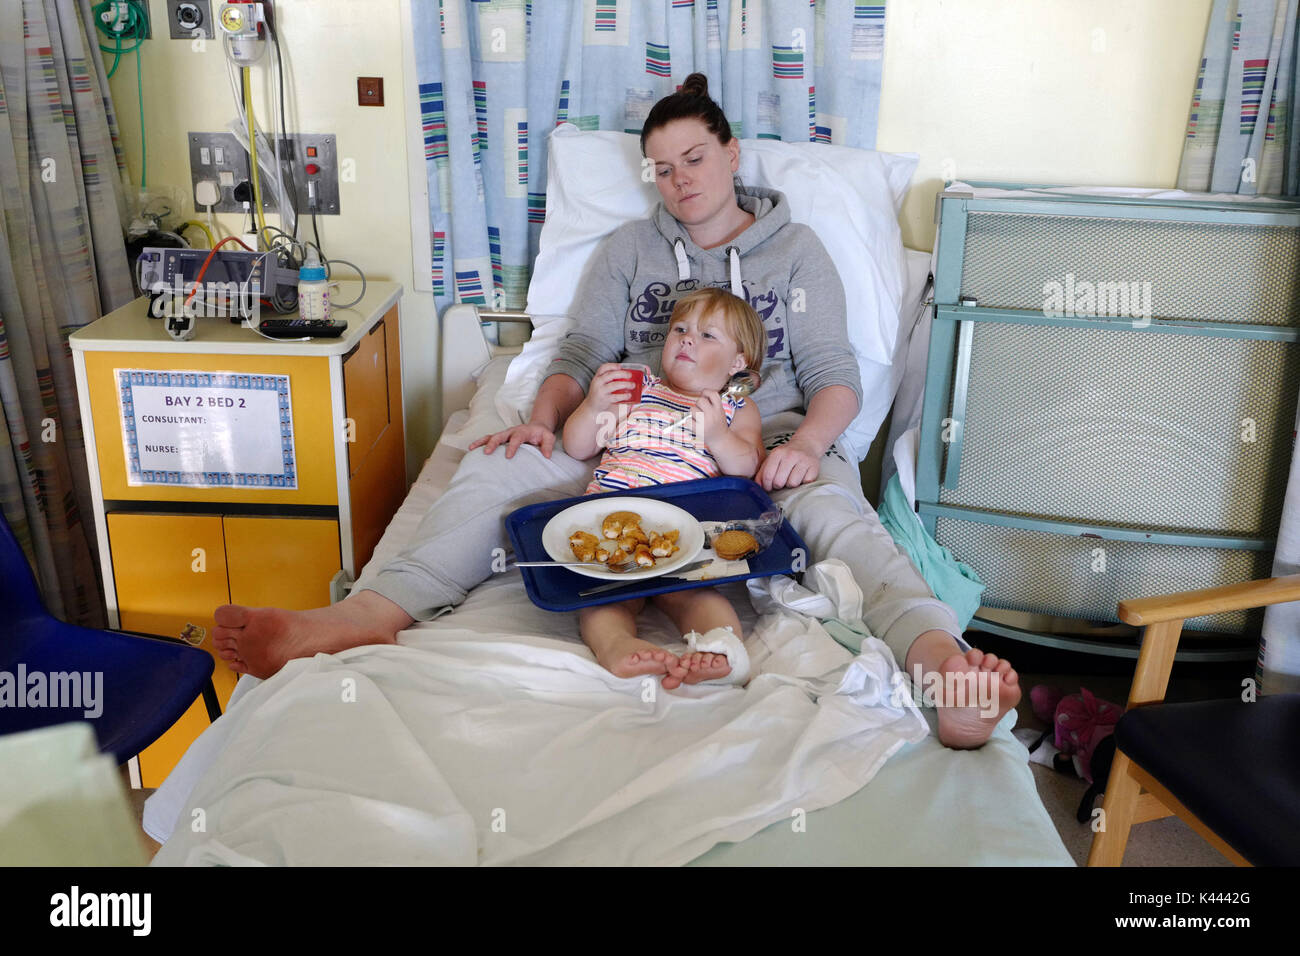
column 708, row 499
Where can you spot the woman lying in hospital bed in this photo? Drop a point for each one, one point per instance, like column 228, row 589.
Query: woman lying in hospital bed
column 702, row 234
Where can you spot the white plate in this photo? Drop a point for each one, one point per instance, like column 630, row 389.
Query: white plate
column 655, row 516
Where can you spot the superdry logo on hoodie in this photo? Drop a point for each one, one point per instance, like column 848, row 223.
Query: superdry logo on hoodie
column 656, row 302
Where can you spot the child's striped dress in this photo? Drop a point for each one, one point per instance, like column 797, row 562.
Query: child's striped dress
column 640, row 454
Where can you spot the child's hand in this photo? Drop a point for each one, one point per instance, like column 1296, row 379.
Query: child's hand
column 609, row 387
column 710, row 417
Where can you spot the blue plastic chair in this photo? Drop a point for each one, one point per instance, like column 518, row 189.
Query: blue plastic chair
column 148, row 682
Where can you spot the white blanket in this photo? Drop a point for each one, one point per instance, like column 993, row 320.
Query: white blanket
column 465, row 745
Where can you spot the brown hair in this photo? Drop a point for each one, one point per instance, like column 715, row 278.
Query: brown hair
column 738, row 317
column 692, row 101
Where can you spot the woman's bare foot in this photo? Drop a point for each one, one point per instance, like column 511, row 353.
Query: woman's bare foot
column 702, row 667
column 261, row 640
column 989, row 688
column 632, row 657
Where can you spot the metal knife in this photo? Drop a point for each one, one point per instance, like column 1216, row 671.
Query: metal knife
column 622, row 584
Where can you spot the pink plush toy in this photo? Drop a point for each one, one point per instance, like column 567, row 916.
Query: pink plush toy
column 1081, row 722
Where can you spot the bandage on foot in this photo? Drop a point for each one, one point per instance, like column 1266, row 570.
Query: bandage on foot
column 719, row 640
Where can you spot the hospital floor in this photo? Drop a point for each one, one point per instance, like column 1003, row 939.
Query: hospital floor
column 1167, row 842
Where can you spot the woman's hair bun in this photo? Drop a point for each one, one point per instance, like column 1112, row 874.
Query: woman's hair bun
column 691, row 101
column 697, row 84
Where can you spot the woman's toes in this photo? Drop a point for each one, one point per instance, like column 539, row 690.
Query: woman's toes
column 974, row 656
column 989, row 662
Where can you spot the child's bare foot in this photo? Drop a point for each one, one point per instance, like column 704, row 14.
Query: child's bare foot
column 702, row 667
column 632, row 657
column 996, row 689
column 261, row 640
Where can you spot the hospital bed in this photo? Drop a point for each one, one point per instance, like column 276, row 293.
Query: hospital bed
column 460, row 743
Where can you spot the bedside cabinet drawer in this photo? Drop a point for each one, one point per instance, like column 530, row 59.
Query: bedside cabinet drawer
column 170, row 571
column 281, row 562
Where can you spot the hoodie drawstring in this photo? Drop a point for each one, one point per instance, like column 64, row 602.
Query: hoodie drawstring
column 683, row 265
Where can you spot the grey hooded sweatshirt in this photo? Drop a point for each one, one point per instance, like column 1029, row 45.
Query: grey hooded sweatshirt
column 641, row 269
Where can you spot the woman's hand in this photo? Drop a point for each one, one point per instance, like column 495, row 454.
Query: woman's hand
column 610, row 386
column 790, row 465
column 538, row 435
column 710, row 418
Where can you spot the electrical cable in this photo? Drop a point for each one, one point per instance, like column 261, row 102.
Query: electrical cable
column 212, row 240
column 348, row 305
column 290, row 199
column 198, row 280
column 252, row 153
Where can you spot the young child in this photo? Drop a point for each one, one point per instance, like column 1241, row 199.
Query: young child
column 712, row 335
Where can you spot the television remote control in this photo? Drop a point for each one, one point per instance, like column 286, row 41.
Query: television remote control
column 297, row 328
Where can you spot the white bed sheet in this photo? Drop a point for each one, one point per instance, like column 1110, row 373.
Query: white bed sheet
column 926, row 805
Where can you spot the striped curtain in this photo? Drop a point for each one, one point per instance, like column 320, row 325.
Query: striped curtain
column 496, row 76
column 1241, row 136
column 62, row 265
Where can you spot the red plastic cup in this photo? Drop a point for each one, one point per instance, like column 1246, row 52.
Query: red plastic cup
column 635, row 378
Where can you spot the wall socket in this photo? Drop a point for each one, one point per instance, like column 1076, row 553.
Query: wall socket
column 190, row 19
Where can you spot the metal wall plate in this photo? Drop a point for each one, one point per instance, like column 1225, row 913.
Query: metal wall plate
column 190, row 19
column 323, row 197
column 221, row 158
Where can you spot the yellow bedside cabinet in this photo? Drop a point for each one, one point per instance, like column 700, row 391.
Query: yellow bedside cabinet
column 236, row 468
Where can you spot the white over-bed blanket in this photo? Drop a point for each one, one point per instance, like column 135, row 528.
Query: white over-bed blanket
column 468, row 745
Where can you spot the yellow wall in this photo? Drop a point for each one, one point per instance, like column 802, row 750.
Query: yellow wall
column 1086, row 92
column 1077, row 91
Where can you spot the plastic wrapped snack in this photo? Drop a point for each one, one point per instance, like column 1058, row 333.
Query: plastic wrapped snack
column 763, row 529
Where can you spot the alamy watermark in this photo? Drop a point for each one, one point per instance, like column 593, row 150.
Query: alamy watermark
column 1082, row 297
column 209, row 300
column 64, row 690
column 973, row 688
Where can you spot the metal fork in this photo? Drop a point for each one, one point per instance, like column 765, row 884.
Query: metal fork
column 615, row 568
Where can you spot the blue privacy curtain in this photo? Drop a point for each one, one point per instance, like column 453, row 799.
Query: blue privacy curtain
column 496, row 76
column 1241, row 137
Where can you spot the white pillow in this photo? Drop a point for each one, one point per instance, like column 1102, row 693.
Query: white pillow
column 850, row 197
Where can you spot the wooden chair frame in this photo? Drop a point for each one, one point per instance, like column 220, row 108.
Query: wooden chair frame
column 1132, row 795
